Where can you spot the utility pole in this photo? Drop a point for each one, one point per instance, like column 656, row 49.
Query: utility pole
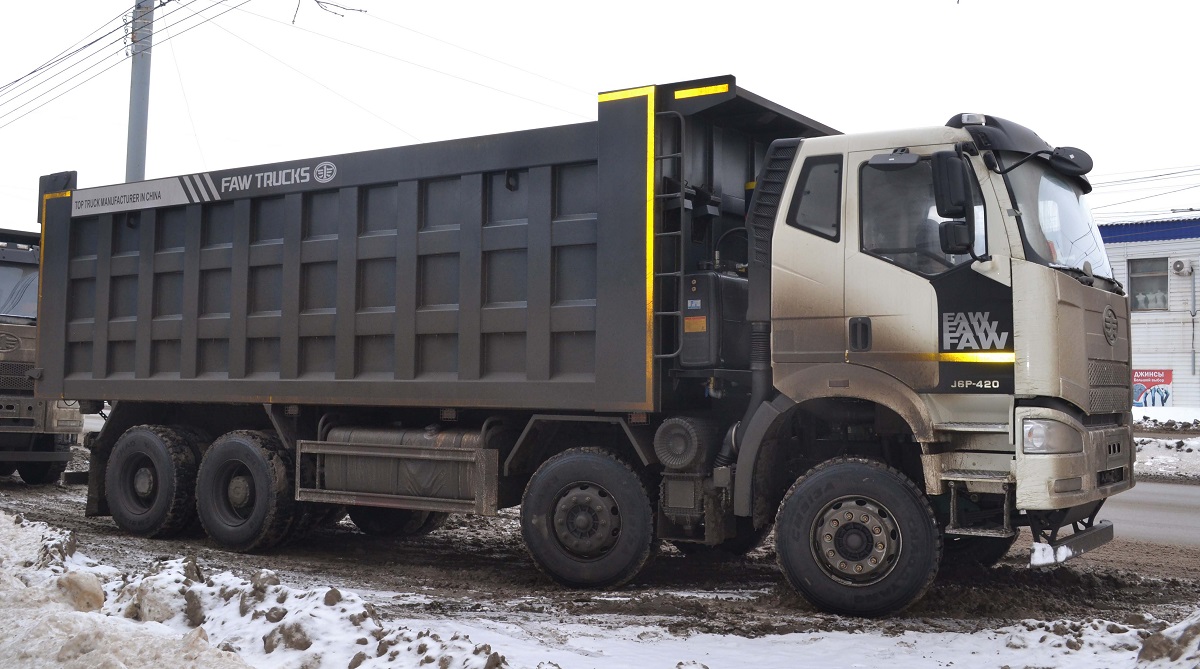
column 139, row 90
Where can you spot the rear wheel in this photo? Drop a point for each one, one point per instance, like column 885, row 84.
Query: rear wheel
column 42, row 473
column 857, row 537
column 748, row 538
column 150, row 481
column 586, row 519
column 382, row 522
column 244, row 491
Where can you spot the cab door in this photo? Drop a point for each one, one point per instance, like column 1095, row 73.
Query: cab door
column 808, row 274
column 892, row 257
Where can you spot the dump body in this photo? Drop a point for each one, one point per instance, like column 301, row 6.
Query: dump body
column 513, row 270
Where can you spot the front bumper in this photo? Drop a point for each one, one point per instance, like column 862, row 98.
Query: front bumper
column 1057, row 481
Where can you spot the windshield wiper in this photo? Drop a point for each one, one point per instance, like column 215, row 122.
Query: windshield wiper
column 1089, row 279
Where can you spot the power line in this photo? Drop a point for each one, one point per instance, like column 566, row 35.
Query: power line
column 481, row 55
column 1152, row 177
column 290, row 67
column 189, row 28
column 418, row 65
column 48, row 78
column 1137, row 199
column 69, row 51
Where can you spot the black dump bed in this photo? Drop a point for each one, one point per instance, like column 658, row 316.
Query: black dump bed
column 511, row 270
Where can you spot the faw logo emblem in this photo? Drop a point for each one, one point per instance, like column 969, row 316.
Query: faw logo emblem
column 972, row 330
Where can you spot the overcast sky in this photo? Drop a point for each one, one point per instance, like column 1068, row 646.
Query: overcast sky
column 248, row 87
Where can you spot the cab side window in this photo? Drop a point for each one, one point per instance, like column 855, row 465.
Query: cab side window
column 900, row 220
column 817, row 202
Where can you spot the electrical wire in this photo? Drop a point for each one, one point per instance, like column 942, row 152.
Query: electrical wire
column 187, row 105
column 481, row 55
column 189, row 28
column 111, row 54
column 70, row 51
column 306, row 76
column 419, row 65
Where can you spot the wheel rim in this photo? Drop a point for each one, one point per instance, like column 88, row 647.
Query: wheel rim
column 141, row 478
column 855, row 540
column 234, row 493
column 587, row 520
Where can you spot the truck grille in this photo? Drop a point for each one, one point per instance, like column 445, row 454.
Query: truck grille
column 1109, row 381
column 13, row 376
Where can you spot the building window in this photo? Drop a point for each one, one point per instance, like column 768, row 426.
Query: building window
column 1148, row 284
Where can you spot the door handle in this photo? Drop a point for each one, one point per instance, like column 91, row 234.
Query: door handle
column 860, row 333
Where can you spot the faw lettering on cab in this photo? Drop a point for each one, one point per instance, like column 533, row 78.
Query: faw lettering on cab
column 971, row 330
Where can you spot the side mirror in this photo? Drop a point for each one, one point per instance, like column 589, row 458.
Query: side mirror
column 955, row 237
column 1070, row 161
column 951, row 185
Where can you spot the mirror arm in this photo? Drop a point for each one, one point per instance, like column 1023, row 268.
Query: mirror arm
column 970, row 211
column 994, row 164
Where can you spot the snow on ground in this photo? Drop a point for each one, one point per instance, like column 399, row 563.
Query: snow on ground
column 64, row 610
column 1168, row 457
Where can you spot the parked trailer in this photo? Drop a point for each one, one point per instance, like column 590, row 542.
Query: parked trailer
column 698, row 317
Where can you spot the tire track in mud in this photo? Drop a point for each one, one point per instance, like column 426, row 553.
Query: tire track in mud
column 476, row 567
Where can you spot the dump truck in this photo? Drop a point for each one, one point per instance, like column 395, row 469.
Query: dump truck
column 697, row 319
column 35, row 435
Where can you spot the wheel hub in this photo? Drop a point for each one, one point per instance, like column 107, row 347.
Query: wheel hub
column 143, row 482
column 239, row 491
column 586, row 520
column 856, row 540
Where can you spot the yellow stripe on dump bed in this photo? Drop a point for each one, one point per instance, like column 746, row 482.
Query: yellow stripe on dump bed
column 703, row 90
column 648, row 93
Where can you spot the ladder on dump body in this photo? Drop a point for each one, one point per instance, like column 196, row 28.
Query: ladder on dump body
column 670, row 232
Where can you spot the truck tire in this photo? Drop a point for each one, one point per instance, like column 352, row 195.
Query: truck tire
column 41, row 473
column 747, row 539
column 857, row 537
column 380, row 522
column 150, row 482
column 586, row 519
column 244, row 491
column 975, row 551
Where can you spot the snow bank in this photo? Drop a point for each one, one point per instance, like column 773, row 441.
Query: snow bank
column 48, row 599
column 64, row 610
column 1168, row 457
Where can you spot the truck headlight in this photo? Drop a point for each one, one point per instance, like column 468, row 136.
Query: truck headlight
column 1049, row 436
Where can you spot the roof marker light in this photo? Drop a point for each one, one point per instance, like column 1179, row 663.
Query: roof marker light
column 973, row 119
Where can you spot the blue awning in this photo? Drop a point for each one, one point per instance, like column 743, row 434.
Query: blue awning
column 1150, row 231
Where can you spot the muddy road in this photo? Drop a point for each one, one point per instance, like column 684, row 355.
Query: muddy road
column 477, row 567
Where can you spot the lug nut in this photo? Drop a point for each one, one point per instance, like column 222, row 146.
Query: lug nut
column 834, row 522
column 865, row 519
column 873, row 561
column 841, row 565
column 828, row 538
column 858, row 568
column 877, row 529
column 849, row 515
column 878, row 547
column 829, row 553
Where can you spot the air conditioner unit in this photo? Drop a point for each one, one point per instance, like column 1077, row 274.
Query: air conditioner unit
column 1181, row 267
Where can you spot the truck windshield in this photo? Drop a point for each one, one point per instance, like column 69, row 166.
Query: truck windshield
column 18, row 291
column 1058, row 226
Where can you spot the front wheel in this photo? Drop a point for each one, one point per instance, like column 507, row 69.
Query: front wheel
column 586, row 519
column 857, row 537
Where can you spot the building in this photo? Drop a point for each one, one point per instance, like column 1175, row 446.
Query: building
column 1156, row 261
